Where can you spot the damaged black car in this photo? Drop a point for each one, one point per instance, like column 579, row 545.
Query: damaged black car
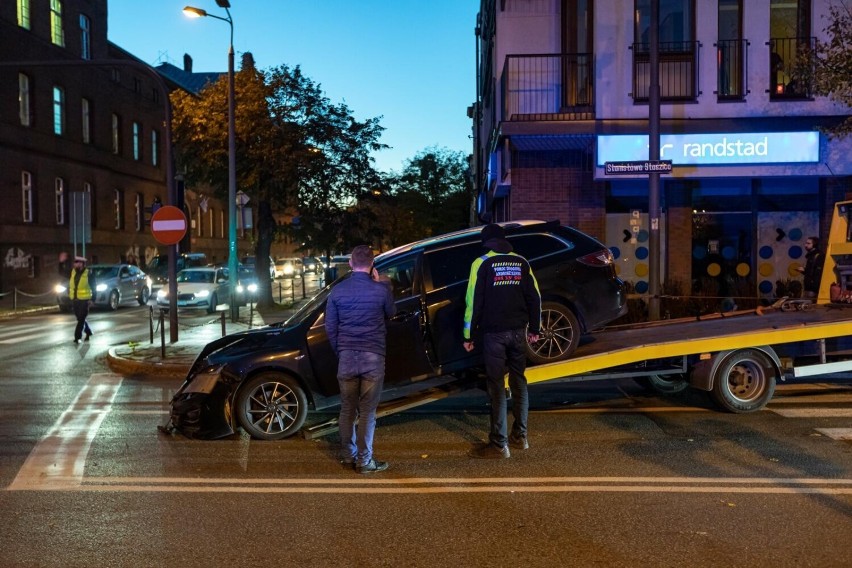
column 267, row 380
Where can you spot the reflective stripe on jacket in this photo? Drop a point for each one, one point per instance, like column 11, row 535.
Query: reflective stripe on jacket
column 79, row 289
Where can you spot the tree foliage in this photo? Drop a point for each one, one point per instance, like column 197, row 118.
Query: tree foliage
column 295, row 151
column 828, row 68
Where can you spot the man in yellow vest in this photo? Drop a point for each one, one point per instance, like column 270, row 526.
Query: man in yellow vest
column 80, row 288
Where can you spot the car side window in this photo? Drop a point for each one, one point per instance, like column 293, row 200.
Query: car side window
column 401, row 276
column 537, row 246
column 124, row 273
column 452, row 265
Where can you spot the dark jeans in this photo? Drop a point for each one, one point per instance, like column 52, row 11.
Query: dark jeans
column 81, row 311
column 360, row 375
column 502, row 351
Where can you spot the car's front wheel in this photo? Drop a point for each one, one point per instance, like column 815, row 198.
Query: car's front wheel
column 560, row 335
column 113, row 300
column 144, row 296
column 271, row 406
column 214, row 301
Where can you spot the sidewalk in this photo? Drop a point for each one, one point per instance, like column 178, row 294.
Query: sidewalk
column 146, row 358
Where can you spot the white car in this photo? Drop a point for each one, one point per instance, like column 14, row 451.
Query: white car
column 198, row 288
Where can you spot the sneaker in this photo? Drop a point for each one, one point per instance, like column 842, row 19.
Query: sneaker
column 372, row 466
column 518, row 442
column 489, row 452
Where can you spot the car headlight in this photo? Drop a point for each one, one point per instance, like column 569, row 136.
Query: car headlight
column 162, row 293
column 101, row 288
column 240, row 288
column 252, row 288
column 59, row 289
column 203, row 293
column 288, row 270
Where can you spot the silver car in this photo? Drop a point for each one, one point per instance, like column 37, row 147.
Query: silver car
column 115, row 284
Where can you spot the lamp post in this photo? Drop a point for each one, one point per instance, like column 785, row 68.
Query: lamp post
column 232, row 150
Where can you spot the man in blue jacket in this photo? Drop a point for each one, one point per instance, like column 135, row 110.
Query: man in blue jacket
column 355, row 317
column 504, row 308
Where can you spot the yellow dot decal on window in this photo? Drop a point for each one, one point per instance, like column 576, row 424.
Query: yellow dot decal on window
column 743, row 269
column 793, row 269
column 766, row 269
column 713, row 269
column 641, row 269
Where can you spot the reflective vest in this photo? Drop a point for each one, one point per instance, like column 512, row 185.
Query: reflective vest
column 79, row 290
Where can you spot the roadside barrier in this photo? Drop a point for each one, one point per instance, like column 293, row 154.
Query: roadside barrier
column 19, row 295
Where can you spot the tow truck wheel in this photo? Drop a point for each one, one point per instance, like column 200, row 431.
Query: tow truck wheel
column 664, row 384
column 744, row 381
column 560, row 335
column 271, row 406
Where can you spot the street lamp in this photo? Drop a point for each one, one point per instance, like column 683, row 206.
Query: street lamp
column 232, row 149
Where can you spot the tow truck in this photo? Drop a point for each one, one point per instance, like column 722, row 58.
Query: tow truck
column 738, row 357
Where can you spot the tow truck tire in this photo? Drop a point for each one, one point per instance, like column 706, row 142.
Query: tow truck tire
column 664, row 384
column 560, row 335
column 271, row 406
column 744, row 381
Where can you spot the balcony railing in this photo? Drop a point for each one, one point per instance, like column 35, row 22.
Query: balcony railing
column 678, row 71
column 786, row 55
column 548, row 87
column 732, row 69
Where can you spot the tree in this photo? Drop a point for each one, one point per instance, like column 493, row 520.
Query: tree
column 435, row 188
column 295, row 151
column 828, row 68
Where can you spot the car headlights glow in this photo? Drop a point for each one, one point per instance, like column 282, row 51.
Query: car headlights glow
column 240, row 288
column 203, row 293
column 101, row 288
column 162, row 293
column 252, row 288
column 288, row 269
column 59, row 289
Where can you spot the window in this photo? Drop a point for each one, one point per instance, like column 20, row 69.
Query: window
column 59, row 192
column 451, row 265
column 90, row 191
column 730, row 52
column 139, row 211
column 210, row 218
column 24, row 14
column 118, row 208
column 24, row 97
column 678, row 51
column 137, row 141
column 85, row 37
column 27, row 196
column 58, row 111
column 155, row 148
column 789, row 35
column 86, row 110
column 116, row 134
column 57, row 34
column 577, row 51
column 137, row 85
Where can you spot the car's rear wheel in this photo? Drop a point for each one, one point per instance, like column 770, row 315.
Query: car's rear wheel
column 271, row 406
column 214, row 301
column 560, row 335
column 113, row 300
column 144, row 296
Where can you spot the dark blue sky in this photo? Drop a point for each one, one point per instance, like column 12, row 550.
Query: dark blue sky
column 409, row 61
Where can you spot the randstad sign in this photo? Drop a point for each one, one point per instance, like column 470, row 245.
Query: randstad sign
column 715, row 149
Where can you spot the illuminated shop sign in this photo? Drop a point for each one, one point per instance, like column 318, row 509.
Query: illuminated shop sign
column 714, row 149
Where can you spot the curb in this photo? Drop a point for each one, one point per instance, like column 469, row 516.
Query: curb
column 124, row 366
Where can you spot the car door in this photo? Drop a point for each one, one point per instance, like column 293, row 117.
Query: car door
column 125, row 283
column 408, row 349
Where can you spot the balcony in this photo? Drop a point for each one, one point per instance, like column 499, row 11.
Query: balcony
column 732, row 70
column 548, row 87
column 789, row 57
column 678, row 71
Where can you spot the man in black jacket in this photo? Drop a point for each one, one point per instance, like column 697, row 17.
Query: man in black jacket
column 355, row 317
column 813, row 267
column 504, row 307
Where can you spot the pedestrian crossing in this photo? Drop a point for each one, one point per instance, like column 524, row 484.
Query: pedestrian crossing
column 61, row 327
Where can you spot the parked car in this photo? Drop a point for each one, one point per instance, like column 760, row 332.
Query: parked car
column 312, row 264
column 198, row 288
column 115, row 284
column 265, row 380
column 289, row 268
column 251, row 262
column 158, row 268
column 247, row 285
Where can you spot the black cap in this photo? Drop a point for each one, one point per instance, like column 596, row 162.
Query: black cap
column 492, row 231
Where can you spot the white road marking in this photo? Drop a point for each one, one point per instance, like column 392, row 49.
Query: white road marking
column 59, row 459
column 836, row 433
column 813, row 412
column 21, row 338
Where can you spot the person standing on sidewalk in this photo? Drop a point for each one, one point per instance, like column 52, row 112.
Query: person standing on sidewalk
column 80, row 288
column 503, row 306
column 812, row 270
column 355, row 317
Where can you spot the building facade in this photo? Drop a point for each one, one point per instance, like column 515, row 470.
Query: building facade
column 82, row 146
column 563, row 90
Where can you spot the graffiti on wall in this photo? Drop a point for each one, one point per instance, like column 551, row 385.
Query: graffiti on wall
column 781, row 246
column 16, row 258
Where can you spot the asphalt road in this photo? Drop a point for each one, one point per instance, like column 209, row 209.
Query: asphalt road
column 614, row 477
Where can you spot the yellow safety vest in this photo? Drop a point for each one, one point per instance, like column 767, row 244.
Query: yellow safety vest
column 81, row 291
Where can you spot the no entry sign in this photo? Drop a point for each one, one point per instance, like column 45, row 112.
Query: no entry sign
column 168, row 225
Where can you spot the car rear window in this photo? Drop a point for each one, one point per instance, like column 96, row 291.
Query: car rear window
column 532, row 247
